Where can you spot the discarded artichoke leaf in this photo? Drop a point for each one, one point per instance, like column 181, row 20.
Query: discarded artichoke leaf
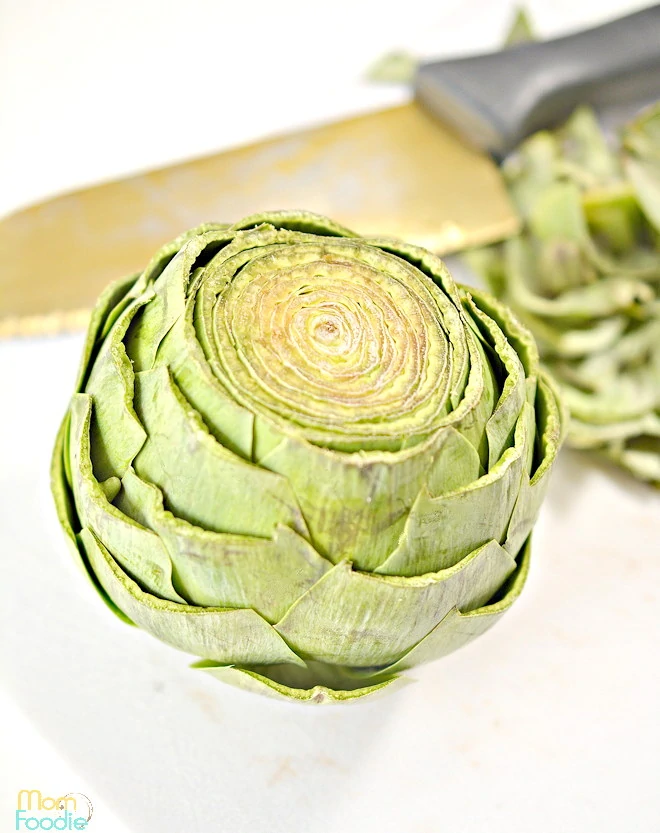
column 584, row 276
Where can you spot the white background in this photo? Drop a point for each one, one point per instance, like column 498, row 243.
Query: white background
column 549, row 723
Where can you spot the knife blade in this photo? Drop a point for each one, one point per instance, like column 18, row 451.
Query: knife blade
column 400, row 172
column 396, row 172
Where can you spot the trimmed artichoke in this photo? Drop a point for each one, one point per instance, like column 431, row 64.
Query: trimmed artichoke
column 584, row 276
column 306, row 457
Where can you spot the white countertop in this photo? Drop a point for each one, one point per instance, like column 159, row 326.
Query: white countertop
column 548, row 723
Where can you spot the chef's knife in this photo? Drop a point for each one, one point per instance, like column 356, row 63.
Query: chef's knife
column 399, row 172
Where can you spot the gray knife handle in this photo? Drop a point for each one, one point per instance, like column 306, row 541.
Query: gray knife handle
column 496, row 100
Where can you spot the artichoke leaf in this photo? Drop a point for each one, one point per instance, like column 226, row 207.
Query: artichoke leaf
column 259, row 683
column 469, row 517
column 458, row 628
column 364, row 619
column 203, row 482
column 551, row 426
column 116, row 432
column 223, row 635
column 67, row 516
column 111, row 300
column 140, row 551
column 222, row 570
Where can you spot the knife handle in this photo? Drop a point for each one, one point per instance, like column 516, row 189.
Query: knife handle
column 496, row 100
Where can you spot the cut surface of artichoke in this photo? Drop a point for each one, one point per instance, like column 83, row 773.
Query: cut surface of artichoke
column 308, row 458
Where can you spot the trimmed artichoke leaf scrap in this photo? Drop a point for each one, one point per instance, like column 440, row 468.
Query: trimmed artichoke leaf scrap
column 308, row 458
column 584, row 276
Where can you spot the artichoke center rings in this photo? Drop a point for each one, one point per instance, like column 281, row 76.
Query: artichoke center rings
column 328, row 342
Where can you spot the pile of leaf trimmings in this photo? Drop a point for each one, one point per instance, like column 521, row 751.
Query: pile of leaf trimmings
column 584, row 276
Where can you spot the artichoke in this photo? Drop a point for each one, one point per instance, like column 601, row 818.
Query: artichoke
column 306, row 457
column 584, row 276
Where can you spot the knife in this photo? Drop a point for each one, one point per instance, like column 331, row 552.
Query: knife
column 422, row 171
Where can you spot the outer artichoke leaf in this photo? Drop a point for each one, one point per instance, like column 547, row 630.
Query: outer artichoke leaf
column 203, row 482
column 551, row 421
column 230, row 423
column 169, row 298
column 355, row 505
column 220, row 570
column 456, row 464
column 500, row 426
column 363, row 619
column 456, row 629
column 140, row 552
column 223, row 635
column 471, row 416
column 116, row 432
column 250, row 680
column 165, row 254
column 303, row 221
column 109, row 301
column 110, row 488
column 468, row 517
column 68, row 518
column 521, row 339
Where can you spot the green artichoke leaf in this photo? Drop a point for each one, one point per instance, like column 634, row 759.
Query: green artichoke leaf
column 111, row 301
column 231, row 424
column 221, row 570
column 584, row 276
column 458, row 628
column 551, row 422
column 641, row 457
column 251, row 680
column 641, row 159
column 589, row 435
column 116, row 432
column 586, row 157
column 570, row 341
column 364, row 619
column 607, row 296
column 168, row 299
column 501, row 424
column 68, row 518
column 469, row 517
column 140, row 552
column 354, row 504
column 203, row 482
column 306, row 222
column 531, row 169
column 223, row 635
